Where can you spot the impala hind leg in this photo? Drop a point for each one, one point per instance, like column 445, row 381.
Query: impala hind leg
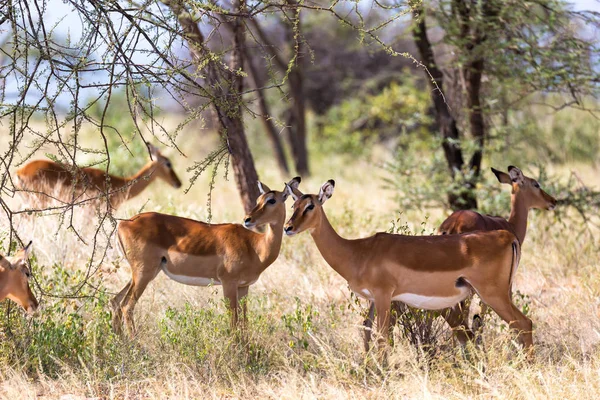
column 477, row 322
column 368, row 324
column 117, row 313
column 457, row 318
column 517, row 321
column 133, row 294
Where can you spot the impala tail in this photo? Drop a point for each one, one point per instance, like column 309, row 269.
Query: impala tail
column 516, row 258
column 119, row 243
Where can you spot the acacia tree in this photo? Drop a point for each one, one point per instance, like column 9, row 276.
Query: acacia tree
column 292, row 70
column 502, row 52
column 131, row 47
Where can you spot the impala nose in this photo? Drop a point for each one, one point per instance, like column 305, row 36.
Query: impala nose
column 247, row 221
column 289, row 229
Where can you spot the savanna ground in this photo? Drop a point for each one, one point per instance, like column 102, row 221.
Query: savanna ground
column 305, row 338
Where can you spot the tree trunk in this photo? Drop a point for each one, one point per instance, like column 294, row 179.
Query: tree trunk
column 297, row 112
column 225, row 86
column 475, row 113
column 446, row 123
column 296, row 115
column 265, row 115
column 297, row 123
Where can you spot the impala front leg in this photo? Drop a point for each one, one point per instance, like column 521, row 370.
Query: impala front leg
column 368, row 324
column 383, row 302
column 230, row 291
column 243, row 300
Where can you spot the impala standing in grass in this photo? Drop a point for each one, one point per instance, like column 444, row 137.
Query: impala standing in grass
column 14, row 280
column 200, row 254
column 526, row 194
column 41, row 179
column 428, row 272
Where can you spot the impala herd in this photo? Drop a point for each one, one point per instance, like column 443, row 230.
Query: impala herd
column 472, row 253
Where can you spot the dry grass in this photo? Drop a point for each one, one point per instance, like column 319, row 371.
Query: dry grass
column 559, row 273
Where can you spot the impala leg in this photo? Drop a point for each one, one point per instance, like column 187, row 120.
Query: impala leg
column 517, row 321
column 456, row 318
column 382, row 306
column 230, row 291
column 131, row 298
column 117, row 314
column 368, row 324
column 477, row 323
column 243, row 299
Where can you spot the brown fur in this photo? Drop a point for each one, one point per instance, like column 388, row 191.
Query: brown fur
column 14, row 280
column 526, row 194
column 389, row 265
column 40, row 178
column 228, row 254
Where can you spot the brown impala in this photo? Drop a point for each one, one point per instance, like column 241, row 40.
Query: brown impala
column 40, row 177
column 526, row 194
column 14, row 280
column 428, row 272
column 200, row 254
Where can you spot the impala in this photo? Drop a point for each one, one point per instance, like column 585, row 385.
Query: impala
column 40, row 177
column 14, row 280
column 526, row 194
column 200, row 254
column 428, row 272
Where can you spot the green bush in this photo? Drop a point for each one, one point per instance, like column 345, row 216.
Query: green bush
column 68, row 332
column 359, row 121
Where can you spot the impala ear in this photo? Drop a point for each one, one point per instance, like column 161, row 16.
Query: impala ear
column 22, row 255
column 262, row 188
column 516, row 176
column 326, row 191
column 154, row 153
column 502, row 177
column 290, row 191
column 27, row 249
column 291, row 188
column 295, row 182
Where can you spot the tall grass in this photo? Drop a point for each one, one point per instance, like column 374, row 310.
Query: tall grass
column 304, row 338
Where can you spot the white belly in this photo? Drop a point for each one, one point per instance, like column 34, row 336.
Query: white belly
column 191, row 280
column 431, row 302
column 179, row 259
column 364, row 293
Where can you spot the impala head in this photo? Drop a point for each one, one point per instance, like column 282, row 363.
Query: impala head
column 270, row 205
column 526, row 188
column 307, row 208
column 164, row 168
column 15, row 276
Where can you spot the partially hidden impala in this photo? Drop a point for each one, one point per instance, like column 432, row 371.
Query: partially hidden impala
column 526, row 194
column 428, row 272
column 40, row 178
column 200, row 254
column 14, row 280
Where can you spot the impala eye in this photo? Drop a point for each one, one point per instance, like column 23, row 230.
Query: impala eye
column 271, row 201
column 310, row 207
column 536, row 185
column 168, row 164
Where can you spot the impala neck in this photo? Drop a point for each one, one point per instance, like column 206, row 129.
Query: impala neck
column 337, row 251
column 270, row 242
column 518, row 217
column 140, row 181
